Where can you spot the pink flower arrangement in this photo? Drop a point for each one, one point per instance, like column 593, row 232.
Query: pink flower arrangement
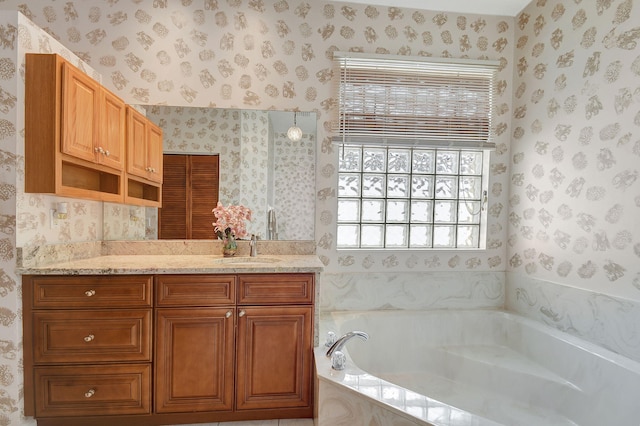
column 231, row 221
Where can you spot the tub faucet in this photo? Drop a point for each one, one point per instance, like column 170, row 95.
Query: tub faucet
column 337, row 346
column 253, row 245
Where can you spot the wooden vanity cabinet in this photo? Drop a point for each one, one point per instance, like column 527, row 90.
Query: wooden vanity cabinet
column 74, row 132
column 168, row 349
column 87, row 345
column 203, row 320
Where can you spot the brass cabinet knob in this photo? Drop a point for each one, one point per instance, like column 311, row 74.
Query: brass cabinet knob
column 242, row 313
column 228, row 314
column 89, row 338
column 89, row 393
column 90, row 293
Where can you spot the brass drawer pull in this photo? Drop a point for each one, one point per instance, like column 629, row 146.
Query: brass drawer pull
column 89, row 338
column 89, row 393
column 90, row 293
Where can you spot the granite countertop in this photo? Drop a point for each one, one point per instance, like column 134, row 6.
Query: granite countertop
column 178, row 264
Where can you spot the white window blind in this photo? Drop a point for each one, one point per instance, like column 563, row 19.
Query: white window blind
column 396, row 100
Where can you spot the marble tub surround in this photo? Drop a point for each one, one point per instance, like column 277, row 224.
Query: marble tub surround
column 36, row 256
column 411, row 290
column 492, row 364
column 611, row 322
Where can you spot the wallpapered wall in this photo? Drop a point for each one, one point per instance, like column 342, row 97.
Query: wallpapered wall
column 263, row 54
column 575, row 195
column 237, row 53
column 294, row 161
column 571, row 67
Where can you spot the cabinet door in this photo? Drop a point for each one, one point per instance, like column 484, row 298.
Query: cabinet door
column 154, row 152
column 144, row 147
column 274, row 357
column 80, row 109
column 194, row 360
column 112, row 130
column 136, row 143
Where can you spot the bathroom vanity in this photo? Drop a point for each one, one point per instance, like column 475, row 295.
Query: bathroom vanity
column 150, row 340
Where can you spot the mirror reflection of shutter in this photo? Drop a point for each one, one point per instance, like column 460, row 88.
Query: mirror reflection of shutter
column 204, row 195
column 189, row 193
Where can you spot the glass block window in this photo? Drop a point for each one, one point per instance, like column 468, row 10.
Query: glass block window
column 393, row 197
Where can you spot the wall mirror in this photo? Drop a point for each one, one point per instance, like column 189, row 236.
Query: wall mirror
column 260, row 166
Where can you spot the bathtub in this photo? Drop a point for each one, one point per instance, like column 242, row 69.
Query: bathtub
column 470, row 367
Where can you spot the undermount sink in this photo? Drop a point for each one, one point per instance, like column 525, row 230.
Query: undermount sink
column 247, row 260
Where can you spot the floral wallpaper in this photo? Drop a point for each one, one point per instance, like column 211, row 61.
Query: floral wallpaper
column 573, row 244
column 277, row 54
column 563, row 188
column 254, row 168
column 294, row 161
column 575, row 196
column 250, row 54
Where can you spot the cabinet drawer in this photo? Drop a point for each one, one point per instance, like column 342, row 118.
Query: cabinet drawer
column 92, row 390
column 93, row 291
column 92, row 336
column 275, row 289
column 195, row 290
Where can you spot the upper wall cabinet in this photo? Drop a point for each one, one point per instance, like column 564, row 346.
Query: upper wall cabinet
column 144, row 160
column 74, row 132
column 76, row 136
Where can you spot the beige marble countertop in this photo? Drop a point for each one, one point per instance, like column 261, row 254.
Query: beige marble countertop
column 178, row 264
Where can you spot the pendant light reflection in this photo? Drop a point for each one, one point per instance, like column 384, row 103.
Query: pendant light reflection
column 294, row 133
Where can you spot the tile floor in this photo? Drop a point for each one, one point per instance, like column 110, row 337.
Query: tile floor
column 282, row 422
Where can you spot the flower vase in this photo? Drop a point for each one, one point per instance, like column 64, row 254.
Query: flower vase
column 229, row 246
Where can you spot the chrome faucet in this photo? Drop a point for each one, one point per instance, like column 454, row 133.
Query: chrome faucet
column 337, row 346
column 253, row 245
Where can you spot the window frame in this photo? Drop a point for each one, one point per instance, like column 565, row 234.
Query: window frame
column 384, row 104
